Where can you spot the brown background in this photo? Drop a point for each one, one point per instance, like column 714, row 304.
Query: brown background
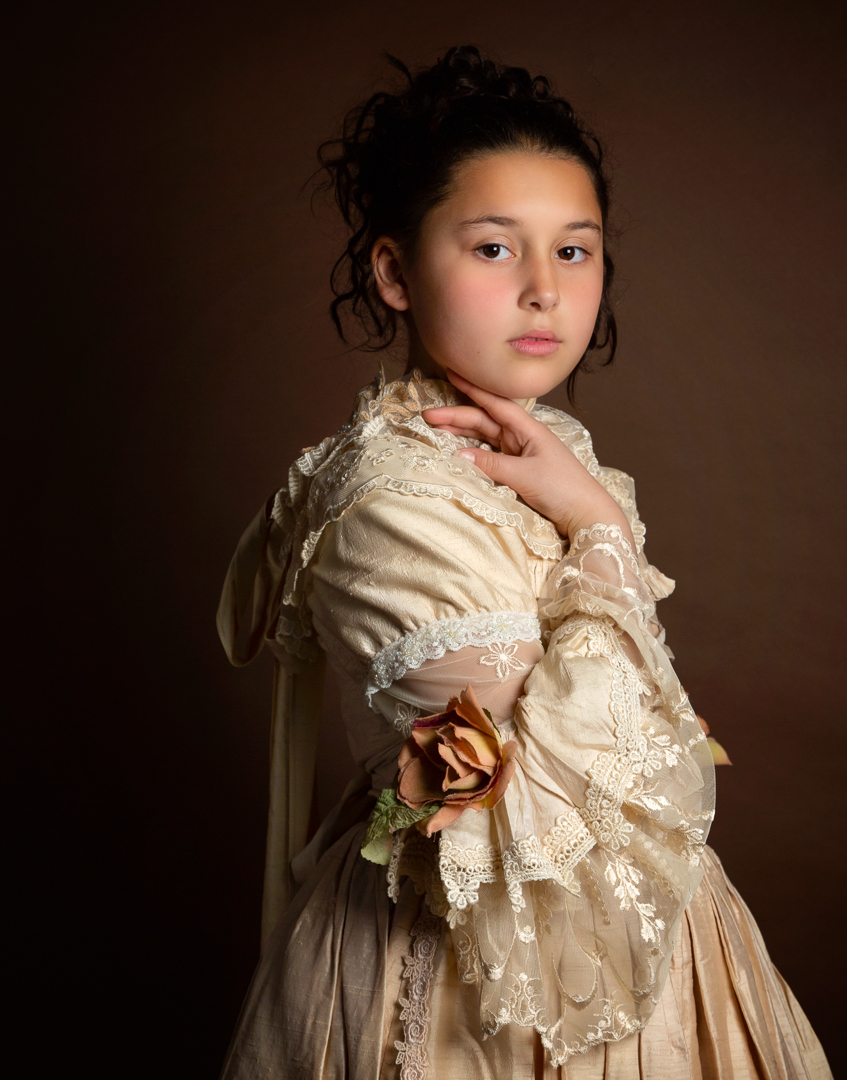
column 178, row 355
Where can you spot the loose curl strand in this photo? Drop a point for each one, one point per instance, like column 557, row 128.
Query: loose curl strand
column 397, row 158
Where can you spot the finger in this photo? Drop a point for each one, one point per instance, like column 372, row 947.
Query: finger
column 472, row 420
column 501, row 468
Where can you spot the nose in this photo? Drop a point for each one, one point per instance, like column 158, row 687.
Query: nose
column 540, row 290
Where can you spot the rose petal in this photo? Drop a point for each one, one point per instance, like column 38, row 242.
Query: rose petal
column 428, row 741
column 451, row 759
column 469, row 708
column 419, row 783
column 474, row 744
column 470, row 783
column 443, row 817
column 501, row 782
column 407, row 751
column 436, row 720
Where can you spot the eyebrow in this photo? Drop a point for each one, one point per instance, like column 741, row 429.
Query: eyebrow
column 507, row 222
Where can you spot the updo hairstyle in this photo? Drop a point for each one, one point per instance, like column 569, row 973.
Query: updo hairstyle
column 398, row 155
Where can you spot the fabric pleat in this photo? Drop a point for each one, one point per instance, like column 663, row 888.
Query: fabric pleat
column 315, row 1006
column 725, row 1012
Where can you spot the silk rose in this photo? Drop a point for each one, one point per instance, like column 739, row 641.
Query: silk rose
column 456, row 759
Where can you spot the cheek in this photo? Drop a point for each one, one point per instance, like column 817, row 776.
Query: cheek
column 585, row 299
column 470, row 301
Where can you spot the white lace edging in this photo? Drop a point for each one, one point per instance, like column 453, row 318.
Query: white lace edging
column 435, row 639
column 552, row 857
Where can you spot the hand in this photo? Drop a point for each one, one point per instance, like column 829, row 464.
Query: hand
column 532, row 460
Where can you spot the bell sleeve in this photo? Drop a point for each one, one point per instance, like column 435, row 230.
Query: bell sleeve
column 564, row 899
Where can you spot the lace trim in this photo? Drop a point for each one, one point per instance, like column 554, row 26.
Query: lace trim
column 611, row 538
column 415, row 856
column 411, row 1056
column 616, row 775
column 481, row 510
column 450, row 879
column 435, row 639
column 551, row 857
column 610, row 776
column 613, row 1024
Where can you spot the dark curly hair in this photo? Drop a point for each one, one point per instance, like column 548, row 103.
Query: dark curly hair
column 397, row 158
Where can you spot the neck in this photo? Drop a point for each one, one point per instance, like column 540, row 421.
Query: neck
column 418, row 357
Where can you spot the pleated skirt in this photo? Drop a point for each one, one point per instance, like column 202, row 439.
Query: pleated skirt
column 352, row 987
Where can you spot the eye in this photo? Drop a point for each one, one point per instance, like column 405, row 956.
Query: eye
column 572, row 254
column 494, row 252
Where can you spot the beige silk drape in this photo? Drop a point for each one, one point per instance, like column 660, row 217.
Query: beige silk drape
column 246, row 621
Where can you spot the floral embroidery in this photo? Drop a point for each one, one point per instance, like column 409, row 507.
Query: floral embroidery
column 554, row 856
column 502, row 657
column 623, row 854
column 625, row 877
column 613, row 1024
column 379, row 457
column 525, row 1005
column 405, row 716
column 327, row 480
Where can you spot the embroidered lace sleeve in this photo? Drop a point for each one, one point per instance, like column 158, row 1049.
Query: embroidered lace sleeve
column 564, row 900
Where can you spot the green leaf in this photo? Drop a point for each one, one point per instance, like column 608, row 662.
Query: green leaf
column 379, row 850
column 387, row 817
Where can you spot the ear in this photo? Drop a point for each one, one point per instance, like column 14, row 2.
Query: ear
column 386, row 264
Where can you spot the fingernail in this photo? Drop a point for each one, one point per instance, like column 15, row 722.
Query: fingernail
column 468, row 455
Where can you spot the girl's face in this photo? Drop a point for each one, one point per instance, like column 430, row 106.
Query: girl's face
column 507, row 276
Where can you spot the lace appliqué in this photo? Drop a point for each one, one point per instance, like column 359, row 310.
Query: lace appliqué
column 502, row 657
column 385, row 432
column 525, row 1004
column 405, row 716
column 415, row 856
column 435, row 639
column 411, row 1052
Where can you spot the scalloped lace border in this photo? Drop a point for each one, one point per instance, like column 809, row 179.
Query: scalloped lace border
column 435, row 639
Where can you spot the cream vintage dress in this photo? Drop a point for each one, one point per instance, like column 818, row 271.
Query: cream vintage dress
column 580, row 928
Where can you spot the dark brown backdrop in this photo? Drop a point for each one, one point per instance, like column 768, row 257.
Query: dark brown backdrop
column 178, row 355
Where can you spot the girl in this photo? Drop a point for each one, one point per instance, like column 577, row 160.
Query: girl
column 517, row 884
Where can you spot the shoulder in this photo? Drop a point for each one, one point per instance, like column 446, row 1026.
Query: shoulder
column 387, row 487
column 388, row 451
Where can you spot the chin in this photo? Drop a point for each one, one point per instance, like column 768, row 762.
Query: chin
column 525, row 387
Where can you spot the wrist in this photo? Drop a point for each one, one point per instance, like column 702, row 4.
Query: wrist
column 605, row 515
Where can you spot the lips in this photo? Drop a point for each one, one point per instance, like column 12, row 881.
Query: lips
column 538, row 335
column 536, row 343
